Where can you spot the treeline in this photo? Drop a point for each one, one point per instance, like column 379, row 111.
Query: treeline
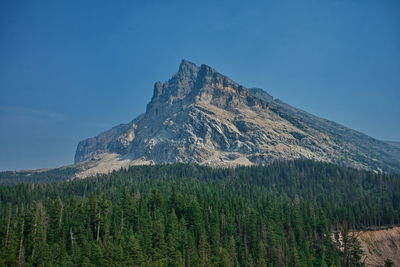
column 185, row 215
column 37, row 176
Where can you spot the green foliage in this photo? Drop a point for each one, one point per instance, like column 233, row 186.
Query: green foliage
column 185, row 215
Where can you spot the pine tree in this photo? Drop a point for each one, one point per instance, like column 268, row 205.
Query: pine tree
column 135, row 251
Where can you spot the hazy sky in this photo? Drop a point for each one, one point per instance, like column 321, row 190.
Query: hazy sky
column 71, row 69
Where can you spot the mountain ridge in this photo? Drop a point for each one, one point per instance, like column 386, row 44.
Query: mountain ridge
column 201, row 116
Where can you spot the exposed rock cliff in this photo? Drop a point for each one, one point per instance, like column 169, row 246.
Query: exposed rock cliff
column 201, row 116
column 380, row 245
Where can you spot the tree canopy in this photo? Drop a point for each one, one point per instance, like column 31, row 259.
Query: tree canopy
column 283, row 214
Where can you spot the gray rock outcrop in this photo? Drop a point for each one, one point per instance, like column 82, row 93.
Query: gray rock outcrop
column 201, row 116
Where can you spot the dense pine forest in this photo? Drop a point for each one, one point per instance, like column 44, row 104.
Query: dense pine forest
column 185, row 215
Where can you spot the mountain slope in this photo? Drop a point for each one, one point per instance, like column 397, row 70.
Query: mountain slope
column 201, row 116
column 394, row 143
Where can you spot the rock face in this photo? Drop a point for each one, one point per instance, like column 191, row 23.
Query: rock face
column 201, row 116
column 394, row 143
column 380, row 245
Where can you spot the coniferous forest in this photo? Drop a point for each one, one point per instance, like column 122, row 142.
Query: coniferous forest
column 283, row 214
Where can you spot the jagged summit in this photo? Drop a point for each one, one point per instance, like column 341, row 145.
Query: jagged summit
column 191, row 77
column 186, row 68
column 201, row 116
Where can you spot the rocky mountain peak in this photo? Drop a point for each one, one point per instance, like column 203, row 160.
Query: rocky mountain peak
column 201, row 116
column 187, row 69
column 179, row 85
column 209, row 77
column 191, row 84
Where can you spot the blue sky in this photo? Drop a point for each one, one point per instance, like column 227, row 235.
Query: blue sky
column 71, row 69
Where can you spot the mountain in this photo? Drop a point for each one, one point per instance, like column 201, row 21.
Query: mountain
column 394, row 143
column 201, row 116
column 41, row 176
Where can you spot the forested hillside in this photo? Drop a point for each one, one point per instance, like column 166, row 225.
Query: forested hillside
column 185, row 215
column 37, row 176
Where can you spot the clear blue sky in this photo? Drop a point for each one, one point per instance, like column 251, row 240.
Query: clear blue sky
column 71, row 69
